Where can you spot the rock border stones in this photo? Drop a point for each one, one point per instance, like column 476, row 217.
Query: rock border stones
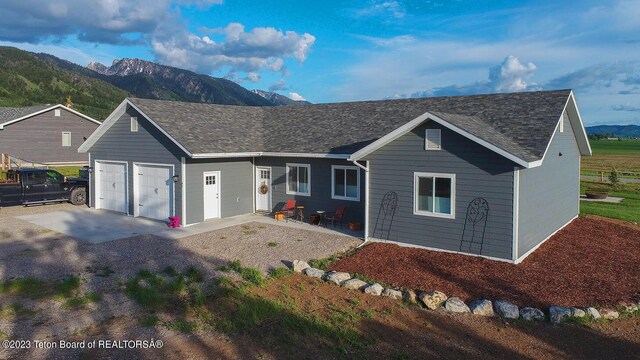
column 437, row 300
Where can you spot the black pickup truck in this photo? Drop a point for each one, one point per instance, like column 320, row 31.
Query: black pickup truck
column 39, row 186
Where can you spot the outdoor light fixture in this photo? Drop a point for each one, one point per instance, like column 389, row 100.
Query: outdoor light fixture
column 176, row 178
column 90, row 169
column 559, row 154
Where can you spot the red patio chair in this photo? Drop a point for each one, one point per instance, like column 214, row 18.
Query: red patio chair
column 335, row 217
column 288, row 209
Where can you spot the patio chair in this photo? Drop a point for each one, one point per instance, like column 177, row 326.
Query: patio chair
column 335, row 217
column 288, row 209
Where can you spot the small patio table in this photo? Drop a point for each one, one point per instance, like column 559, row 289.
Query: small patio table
column 321, row 220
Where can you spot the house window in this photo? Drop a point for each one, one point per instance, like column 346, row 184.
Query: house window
column 134, row 124
column 66, row 138
column 432, row 139
column 562, row 124
column 56, row 112
column 434, row 195
column 299, row 179
column 345, row 183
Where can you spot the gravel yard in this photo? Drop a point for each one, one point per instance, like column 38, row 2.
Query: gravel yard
column 27, row 250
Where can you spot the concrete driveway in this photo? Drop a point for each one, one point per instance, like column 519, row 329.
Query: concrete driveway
column 98, row 226
column 95, row 226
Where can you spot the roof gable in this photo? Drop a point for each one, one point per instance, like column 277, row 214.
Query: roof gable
column 12, row 115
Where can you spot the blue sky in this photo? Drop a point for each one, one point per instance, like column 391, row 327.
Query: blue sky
column 359, row 50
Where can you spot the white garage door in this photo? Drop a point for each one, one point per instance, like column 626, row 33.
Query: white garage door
column 154, row 185
column 111, row 186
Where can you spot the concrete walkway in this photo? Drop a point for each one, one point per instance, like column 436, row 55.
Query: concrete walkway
column 608, row 199
column 97, row 226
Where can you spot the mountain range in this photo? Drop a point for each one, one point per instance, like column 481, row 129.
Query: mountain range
column 278, row 99
column 617, row 130
column 33, row 78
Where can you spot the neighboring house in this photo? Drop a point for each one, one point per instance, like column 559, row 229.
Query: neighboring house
column 45, row 134
column 490, row 175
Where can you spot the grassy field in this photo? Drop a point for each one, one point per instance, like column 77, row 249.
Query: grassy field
column 628, row 209
column 629, row 147
column 623, row 155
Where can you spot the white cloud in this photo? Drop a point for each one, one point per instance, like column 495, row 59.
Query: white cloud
column 297, row 97
column 253, row 77
column 157, row 23
column 510, row 76
column 91, row 20
column 263, row 48
column 277, row 86
column 382, row 8
column 626, row 107
column 389, row 42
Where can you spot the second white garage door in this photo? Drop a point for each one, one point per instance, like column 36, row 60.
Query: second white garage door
column 154, row 185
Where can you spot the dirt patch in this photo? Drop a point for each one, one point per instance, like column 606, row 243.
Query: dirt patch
column 387, row 329
column 590, row 262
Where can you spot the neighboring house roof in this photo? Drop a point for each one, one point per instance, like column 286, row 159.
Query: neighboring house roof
column 10, row 115
column 517, row 125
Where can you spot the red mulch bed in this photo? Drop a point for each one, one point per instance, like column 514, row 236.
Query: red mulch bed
column 589, row 262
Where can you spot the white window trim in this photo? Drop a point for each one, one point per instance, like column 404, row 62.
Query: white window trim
column 134, row 124
column 56, row 112
column 562, row 123
column 66, row 133
column 289, row 192
column 417, row 175
column 333, row 182
column 426, row 139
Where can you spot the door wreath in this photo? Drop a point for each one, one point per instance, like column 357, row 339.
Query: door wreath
column 264, row 189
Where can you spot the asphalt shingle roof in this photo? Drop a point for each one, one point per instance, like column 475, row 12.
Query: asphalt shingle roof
column 519, row 123
column 12, row 113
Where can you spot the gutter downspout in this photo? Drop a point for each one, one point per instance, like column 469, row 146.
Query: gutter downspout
column 253, row 163
column 366, row 200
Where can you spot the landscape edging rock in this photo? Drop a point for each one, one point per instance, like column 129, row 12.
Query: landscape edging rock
column 435, row 299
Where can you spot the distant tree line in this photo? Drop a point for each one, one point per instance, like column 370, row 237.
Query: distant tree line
column 601, row 136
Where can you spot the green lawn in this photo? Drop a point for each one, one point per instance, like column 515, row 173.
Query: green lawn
column 631, row 147
column 628, row 209
column 70, row 171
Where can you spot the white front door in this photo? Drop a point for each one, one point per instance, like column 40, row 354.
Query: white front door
column 263, row 182
column 111, row 189
column 211, row 196
column 153, row 195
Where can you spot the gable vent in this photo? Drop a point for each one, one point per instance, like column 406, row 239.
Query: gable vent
column 432, row 139
column 134, row 124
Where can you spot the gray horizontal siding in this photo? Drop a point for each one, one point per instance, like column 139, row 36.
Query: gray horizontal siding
column 236, row 187
column 147, row 145
column 479, row 173
column 39, row 138
column 549, row 194
column 320, row 198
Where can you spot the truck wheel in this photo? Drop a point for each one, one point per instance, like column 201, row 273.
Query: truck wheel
column 78, row 196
